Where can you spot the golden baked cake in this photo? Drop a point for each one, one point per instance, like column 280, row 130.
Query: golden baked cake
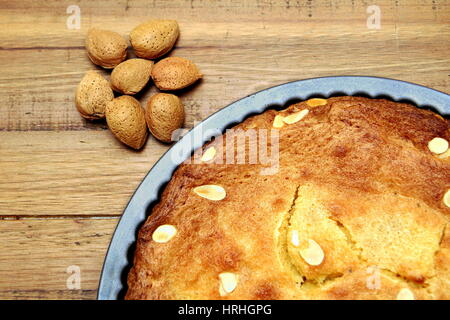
column 358, row 208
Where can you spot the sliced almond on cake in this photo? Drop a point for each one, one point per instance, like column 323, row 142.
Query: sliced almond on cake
column 211, row 192
column 295, row 117
column 446, row 198
column 405, row 294
column 438, row 145
column 209, row 154
column 315, row 102
column 313, row 255
column 228, row 282
column 278, row 121
column 294, row 238
column 164, row 233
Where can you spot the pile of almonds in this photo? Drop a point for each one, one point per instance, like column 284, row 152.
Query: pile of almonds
column 125, row 116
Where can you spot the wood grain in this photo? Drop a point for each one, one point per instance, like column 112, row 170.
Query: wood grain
column 36, row 253
column 57, row 169
column 70, row 173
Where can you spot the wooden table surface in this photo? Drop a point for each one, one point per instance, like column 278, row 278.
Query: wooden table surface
column 64, row 181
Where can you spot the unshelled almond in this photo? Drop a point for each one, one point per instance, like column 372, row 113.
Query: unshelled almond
column 154, row 38
column 106, row 48
column 130, row 76
column 164, row 114
column 126, row 120
column 174, row 73
column 92, row 95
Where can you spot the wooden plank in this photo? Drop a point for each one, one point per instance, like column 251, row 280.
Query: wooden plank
column 64, row 173
column 44, row 294
column 240, row 48
column 47, row 104
column 37, row 252
column 70, row 173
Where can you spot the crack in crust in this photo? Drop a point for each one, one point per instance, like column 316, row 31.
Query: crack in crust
column 282, row 242
column 308, row 284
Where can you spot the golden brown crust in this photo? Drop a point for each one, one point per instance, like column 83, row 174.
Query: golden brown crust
column 105, row 48
column 355, row 175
